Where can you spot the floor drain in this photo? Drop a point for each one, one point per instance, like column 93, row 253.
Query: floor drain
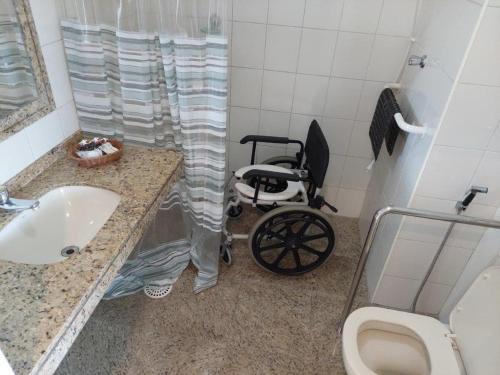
column 155, row 291
column 70, row 251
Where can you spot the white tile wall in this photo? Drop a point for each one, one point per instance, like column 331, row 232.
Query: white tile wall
column 338, row 133
column 410, row 259
column 359, row 144
column 286, row 12
column 323, row 14
column 17, row 150
column 282, row 48
column 395, row 13
column 438, row 182
column 299, row 125
column 46, row 21
column 387, row 59
column 356, row 175
column 451, row 20
column 484, row 57
column 69, row 119
column 250, row 11
column 277, row 91
column 334, row 175
column 310, row 92
column 28, row 145
column 246, row 87
column 350, row 201
column 426, row 230
column 486, row 175
column 43, row 136
column 433, row 171
column 245, row 120
column 368, row 101
column 298, row 60
column 486, row 254
column 361, row 16
column 248, row 40
column 353, row 55
column 274, row 123
column 343, row 98
column 473, row 117
column 464, row 154
column 432, row 298
column 55, row 62
column 396, row 292
column 316, row 52
column 450, row 265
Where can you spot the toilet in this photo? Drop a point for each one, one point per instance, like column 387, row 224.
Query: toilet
column 378, row 341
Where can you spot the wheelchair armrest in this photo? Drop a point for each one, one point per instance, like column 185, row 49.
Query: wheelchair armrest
column 270, row 174
column 270, row 139
column 263, row 138
column 267, row 174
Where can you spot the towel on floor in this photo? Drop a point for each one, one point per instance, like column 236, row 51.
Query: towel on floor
column 384, row 125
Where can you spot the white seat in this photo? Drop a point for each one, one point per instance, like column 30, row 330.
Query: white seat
column 401, row 343
column 261, row 167
column 293, row 187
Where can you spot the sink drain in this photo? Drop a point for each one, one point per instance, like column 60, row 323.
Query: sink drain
column 69, row 251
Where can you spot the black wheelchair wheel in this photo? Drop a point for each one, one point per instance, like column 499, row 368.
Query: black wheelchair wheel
column 235, row 211
column 225, row 252
column 292, row 240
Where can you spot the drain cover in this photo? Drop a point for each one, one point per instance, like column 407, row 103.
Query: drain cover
column 69, row 251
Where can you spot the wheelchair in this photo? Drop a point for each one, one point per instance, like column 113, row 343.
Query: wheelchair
column 294, row 236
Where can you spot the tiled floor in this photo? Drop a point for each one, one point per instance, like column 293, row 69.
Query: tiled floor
column 252, row 323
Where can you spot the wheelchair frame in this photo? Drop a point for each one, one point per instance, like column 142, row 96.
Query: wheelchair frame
column 236, row 199
column 309, row 197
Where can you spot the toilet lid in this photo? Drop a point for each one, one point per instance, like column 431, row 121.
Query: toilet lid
column 475, row 320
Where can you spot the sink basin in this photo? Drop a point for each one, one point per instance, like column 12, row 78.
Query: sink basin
column 66, row 221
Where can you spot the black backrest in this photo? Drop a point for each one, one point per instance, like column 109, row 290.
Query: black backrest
column 317, row 154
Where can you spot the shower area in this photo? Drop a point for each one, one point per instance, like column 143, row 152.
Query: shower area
column 155, row 74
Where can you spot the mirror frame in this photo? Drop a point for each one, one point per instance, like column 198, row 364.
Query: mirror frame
column 44, row 104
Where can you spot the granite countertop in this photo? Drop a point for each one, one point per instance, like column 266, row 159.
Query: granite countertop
column 44, row 307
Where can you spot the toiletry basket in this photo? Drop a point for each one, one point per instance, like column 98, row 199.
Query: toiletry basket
column 101, row 160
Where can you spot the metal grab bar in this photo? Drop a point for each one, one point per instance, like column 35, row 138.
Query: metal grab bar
column 377, row 218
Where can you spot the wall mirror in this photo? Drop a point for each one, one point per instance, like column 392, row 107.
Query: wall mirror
column 25, row 94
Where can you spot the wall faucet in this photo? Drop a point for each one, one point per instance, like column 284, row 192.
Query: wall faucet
column 12, row 204
column 417, row 60
column 469, row 197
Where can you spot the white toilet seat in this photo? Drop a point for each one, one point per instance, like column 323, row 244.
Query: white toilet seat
column 293, row 187
column 431, row 332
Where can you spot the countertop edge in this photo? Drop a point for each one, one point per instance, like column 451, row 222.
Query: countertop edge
column 48, row 363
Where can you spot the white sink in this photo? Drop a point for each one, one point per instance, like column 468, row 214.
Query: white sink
column 68, row 218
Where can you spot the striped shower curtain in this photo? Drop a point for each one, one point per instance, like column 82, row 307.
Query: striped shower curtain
column 17, row 84
column 167, row 91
